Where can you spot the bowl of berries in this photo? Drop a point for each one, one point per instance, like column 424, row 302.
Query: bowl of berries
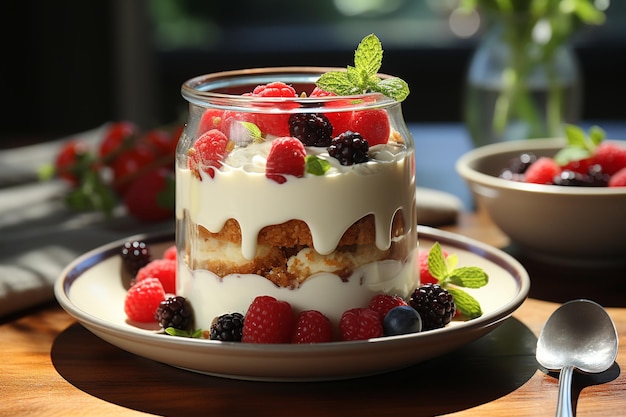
column 557, row 199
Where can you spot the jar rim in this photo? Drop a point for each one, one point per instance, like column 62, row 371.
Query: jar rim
column 217, row 90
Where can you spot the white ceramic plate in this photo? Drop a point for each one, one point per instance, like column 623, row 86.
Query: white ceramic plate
column 91, row 290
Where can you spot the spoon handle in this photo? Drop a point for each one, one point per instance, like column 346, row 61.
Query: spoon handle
column 564, row 405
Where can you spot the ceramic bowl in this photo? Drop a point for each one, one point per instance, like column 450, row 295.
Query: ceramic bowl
column 557, row 223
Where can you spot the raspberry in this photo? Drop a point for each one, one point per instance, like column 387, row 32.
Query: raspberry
column 275, row 124
column 227, row 327
column 618, row 179
column 610, row 156
column 311, row 129
column 174, row 312
column 425, row 276
column 360, row 324
column 434, row 304
column 312, row 327
column 135, row 255
column 382, row 303
column 372, row 125
column 208, row 152
column 268, row 320
column 233, row 127
column 286, row 157
column 128, row 164
column 114, row 139
column 162, row 269
column 211, row 119
column 143, row 299
column 542, row 171
column 170, row 253
column 580, row 166
column 349, row 148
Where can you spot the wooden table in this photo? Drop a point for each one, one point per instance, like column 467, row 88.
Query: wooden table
column 52, row 366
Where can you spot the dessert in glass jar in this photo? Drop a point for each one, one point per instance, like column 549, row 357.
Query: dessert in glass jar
column 285, row 188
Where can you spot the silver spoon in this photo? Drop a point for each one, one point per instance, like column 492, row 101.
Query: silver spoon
column 578, row 335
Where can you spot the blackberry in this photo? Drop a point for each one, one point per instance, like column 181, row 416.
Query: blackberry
column 227, row 327
column 135, row 255
column 312, row 129
column 597, row 177
column 571, row 179
column 349, row 148
column 434, row 304
column 517, row 167
column 174, row 312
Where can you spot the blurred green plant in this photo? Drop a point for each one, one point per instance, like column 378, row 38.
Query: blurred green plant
column 533, row 31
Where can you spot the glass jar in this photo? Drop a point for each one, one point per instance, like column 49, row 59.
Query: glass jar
column 259, row 212
column 520, row 87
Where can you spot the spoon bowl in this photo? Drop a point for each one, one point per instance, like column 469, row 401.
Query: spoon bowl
column 579, row 335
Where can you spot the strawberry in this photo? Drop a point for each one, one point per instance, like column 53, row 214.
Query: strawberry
column 211, row 119
column 143, row 299
column 360, row 324
column 275, row 124
column 312, row 327
column 268, row 320
column 373, row 125
column 162, row 269
column 382, row 303
column 610, row 156
column 151, row 197
column 170, row 253
column 128, row 164
column 618, row 179
column 67, row 160
column 115, row 139
column 425, row 276
column 286, row 157
column 542, row 171
column 208, row 152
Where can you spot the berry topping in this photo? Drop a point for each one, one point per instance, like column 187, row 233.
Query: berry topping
column 227, row 327
column 610, row 156
column 542, row 171
column 286, row 157
column 402, row 320
column 434, row 304
column 275, row 124
column 116, row 136
column 360, row 324
column 426, row 277
column 373, row 125
column 382, row 303
column 208, row 152
column 349, row 148
column 135, row 255
column 312, row 129
column 312, row 327
column 618, row 179
column 174, row 312
column 211, row 119
column 143, row 299
column 162, row 269
column 268, row 320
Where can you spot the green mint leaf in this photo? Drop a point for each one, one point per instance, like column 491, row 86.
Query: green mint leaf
column 452, row 260
column 569, row 154
column 436, row 262
column 469, row 277
column 363, row 76
column 316, row 165
column 253, row 131
column 395, row 88
column 465, row 303
column 46, row 172
column 579, row 145
column 596, row 134
column 195, row 334
column 368, row 56
column 575, row 136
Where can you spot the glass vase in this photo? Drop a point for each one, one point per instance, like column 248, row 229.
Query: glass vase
column 520, row 88
column 253, row 221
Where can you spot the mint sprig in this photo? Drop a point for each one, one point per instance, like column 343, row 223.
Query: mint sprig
column 363, row 76
column 580, row 145
column 194, row 334
column 451, row 278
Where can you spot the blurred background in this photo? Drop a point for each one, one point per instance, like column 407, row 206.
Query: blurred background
column 74, row 65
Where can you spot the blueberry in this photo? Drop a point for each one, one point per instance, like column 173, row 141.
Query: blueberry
column 402, row 320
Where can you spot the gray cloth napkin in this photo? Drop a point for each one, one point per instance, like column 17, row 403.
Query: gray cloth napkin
column 39, row 236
